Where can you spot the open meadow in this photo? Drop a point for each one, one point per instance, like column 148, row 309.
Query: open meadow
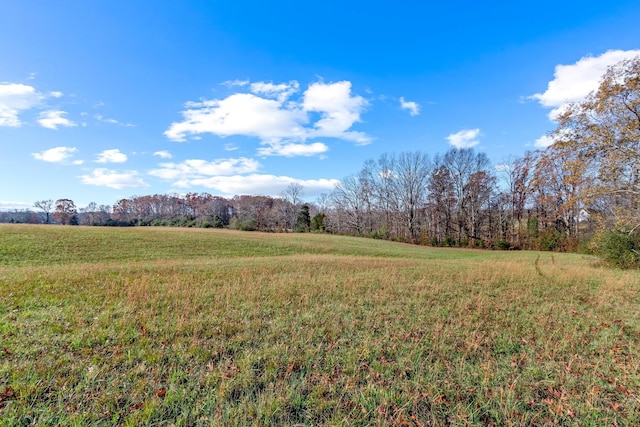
column 168, row 326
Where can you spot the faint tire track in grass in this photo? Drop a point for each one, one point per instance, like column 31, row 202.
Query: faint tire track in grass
column 541, row 274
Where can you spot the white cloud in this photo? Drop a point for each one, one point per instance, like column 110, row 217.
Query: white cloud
column 56, row 94
column 466, row 138
column 111, row 156
column 339, row 111
column 163, row 154
column 280, row 91
column 113, row 179
column 51, row 119
column 233, row 83
column 15, row 98
column 572, row 83
column 239, row 114
column 543, row 142
column 292, row 149
column 412, row 107
column 56, row 155
column 234, row 176
column 549, row 139
column 195, row 169
column 6, row 205
column 230, row 146
column 101, row 118
column 268, row 185
column 277, row 120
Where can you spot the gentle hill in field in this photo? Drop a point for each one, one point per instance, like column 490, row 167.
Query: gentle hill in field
column 42, row 245
column 146, row 326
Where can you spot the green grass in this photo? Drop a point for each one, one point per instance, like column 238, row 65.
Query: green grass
column 154, row 326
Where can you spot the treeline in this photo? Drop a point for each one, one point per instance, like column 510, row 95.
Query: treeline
column 246, row 212
column 458, row 199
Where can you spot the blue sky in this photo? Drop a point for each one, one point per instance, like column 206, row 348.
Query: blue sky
column 101, row 100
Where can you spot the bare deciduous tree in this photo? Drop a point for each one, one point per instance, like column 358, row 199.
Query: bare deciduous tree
column 46, row 206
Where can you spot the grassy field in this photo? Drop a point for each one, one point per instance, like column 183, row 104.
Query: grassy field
column 157, row 326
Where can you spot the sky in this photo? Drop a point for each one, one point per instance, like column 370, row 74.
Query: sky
column 108, row 99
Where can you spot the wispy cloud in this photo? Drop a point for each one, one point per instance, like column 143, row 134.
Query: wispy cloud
column 235, row 83
column 411, row 106
column 466, row 138
column 101, row 118
column 280, row 91
column 52, row 119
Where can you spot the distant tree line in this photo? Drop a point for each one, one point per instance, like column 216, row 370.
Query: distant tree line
column 287, row 212
column 458, row 199
column 583, row 192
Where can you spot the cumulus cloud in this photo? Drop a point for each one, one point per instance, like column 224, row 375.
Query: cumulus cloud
column 412, row 107
column 573, row 82
column 52, row 119
column 466, row 138
column 338, row 109
column 271, row 113
column 56, row 155
column 111, row 156
column 164, row 154
column 239, row 114
column 113, row 179
column 14, row 99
